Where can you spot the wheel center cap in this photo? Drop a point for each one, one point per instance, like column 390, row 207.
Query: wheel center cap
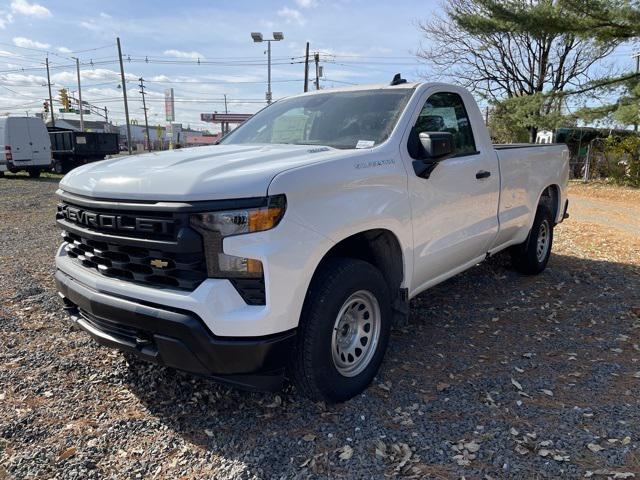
column 345, row 330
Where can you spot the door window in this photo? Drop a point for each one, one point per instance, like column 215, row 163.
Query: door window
column 443, row 112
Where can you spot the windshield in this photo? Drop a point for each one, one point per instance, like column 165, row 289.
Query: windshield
column 358, row 119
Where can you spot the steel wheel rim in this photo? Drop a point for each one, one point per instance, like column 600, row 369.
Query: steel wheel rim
column 355, row 334
column 544, row 238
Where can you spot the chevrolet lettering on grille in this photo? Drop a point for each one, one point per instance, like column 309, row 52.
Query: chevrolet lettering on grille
column 114, row 222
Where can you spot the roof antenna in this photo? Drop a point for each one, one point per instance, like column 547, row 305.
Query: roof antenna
column 397, row 80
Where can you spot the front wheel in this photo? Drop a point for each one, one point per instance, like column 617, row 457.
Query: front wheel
column 531, row 257
column 344, row 330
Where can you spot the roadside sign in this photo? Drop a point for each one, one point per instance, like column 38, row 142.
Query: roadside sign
column 169, row 105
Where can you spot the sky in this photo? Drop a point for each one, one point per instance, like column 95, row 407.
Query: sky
column 203, row 50
column 359, row 42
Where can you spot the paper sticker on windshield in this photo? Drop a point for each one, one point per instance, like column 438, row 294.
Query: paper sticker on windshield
column 365, row 143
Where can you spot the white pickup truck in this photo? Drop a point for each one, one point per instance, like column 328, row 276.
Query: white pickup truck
column 291, row 248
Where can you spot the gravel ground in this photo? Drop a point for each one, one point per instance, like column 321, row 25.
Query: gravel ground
column 497, row 376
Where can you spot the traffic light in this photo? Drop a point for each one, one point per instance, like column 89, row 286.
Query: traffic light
column 64, row 99
column 46, row 107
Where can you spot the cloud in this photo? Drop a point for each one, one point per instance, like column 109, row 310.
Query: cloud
column 307, row 3
column 23, row 7
column 160, row 78
column 183, row 54
column 382, row 50
column 29, row 80
column 97, row 74
column 5, row 18
column 90, row 26
column 104, row 15
column 292, row 16
column 64, row 50
column 4, row 53
column 27, row 43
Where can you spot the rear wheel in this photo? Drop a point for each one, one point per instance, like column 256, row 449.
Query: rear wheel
column 34, row 172
column 343, row 332
column 531, row 257
column 58, row 167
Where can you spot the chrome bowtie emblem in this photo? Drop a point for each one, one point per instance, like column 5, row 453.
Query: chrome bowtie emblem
column 158, row 263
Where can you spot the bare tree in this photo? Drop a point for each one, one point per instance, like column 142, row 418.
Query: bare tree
column 500, row 60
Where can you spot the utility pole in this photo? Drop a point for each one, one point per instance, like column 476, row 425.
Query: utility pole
column 53, row 119
column 316, row 57
column 225, row 125
column 306, row 69
column 106, row 115
column 124, row 94
column 486, row 115
column 144, row 107
column 80, row 95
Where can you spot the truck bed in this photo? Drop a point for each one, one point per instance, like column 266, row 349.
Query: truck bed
column 508, row 146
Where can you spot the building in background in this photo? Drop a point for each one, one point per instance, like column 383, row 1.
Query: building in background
column 198, row 139
column 164, row 137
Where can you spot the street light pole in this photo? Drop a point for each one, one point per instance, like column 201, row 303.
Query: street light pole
column 268, row 71
column 258, row 38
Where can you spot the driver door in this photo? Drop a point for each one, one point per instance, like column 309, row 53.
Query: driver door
column 454, row 211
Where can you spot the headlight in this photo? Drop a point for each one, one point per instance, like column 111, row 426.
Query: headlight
column 215, row 226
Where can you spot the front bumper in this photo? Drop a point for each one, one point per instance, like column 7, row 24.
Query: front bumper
column 176, row 338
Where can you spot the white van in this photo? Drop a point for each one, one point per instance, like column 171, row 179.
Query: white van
column 24, row 145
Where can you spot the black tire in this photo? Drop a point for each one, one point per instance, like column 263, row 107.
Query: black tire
column 530, row 257
column 34, row 172
column 313, row 367
column 57, row 167
column 61, row 167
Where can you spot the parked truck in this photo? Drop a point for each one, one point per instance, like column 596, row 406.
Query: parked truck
column 25, row 145
column 71, row 148
column 291, row 248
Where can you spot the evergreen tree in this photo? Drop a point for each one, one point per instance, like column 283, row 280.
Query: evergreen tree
column 522, row 55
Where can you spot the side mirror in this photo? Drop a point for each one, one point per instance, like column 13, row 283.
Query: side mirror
column 436, row 146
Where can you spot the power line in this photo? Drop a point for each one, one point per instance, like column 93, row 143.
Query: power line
column 53, row 66
column 110, row 45
column 17, row 93
column 224, row 82
column 204, row 57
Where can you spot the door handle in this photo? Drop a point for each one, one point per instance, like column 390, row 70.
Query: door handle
column 482, row 174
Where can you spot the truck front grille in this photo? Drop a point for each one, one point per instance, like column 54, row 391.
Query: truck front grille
column 137, row 264
column 150, row 244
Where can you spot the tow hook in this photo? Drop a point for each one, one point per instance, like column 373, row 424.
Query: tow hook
column 142, row 340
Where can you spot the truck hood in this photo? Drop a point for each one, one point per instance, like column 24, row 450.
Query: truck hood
column 191, row 174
